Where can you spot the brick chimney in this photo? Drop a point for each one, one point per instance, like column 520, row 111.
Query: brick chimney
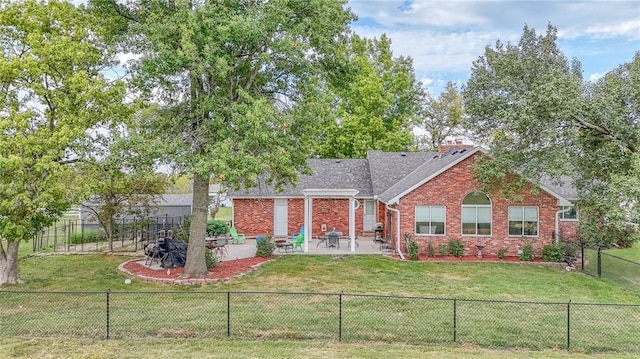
column 452, row 146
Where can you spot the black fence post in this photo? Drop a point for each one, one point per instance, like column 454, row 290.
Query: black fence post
column 455, row 320
column 599, row 263
column 569, row 325
column 340, row 317
column 108, row 312
column 582, row 256
column 228, row 314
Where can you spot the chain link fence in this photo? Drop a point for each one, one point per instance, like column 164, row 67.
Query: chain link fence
column 320, row 316
column 600, row 264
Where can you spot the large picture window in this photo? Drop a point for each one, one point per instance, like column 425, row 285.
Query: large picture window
column 476, row 214
column 523, row 221
column 430, row 219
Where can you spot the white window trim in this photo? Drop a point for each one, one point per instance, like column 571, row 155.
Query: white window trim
column 476, row 206
column 415, row 220
column 513, row 236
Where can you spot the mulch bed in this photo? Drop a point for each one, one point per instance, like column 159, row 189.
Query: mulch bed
column 485, row 258
column 224, row 271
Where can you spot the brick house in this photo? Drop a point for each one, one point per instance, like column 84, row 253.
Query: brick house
column 432, row 196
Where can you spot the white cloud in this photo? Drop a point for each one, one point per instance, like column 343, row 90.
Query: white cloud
column 630, row 29
column 596, row 76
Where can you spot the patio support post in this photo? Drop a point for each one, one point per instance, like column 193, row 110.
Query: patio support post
column 352, row 223
column 308, row 215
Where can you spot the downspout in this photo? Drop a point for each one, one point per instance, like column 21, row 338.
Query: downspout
column 557, row 232
column 397, row 211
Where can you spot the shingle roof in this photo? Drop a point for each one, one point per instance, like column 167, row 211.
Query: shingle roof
column 562, row 186
column 387, row 168
column 326, row 174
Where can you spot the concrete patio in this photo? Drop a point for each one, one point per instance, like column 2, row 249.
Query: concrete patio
column 365, row 245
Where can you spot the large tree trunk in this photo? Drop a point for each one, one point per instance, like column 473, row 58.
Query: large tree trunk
column 196, row 266
column 9, row 264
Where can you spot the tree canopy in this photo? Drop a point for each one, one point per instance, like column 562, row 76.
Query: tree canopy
column 375, row 99
column 53, row 100
column 237, row 85
column 440, row 117
column 529, row 104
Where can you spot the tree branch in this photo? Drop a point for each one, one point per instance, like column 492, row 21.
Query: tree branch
column 606, row 133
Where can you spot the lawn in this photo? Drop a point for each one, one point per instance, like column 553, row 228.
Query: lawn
column 259, row 305
column 240, row 349
column 632, row 254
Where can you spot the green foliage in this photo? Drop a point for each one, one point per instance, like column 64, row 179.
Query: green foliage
column 376, row 99
column 182, row 232
column 53, row 99
column 431, row 251
column 265, row 247
column 413, row 248
column 87, row 236
column 239, row 86
column 211, row 259
column 590, row 131
column 216, row 228
column 553, row 252
column 440, row 117
column 443, row 249
column 456, row 247
column 502, row 252
column 527, row 254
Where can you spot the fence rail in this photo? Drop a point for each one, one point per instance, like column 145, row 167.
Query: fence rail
column 322, row 316
column 129, row 234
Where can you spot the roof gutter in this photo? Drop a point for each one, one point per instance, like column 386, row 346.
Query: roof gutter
column 397, row 211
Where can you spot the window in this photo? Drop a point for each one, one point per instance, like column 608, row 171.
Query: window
column 570, row 215
column 523, row 221
column 430, row 219
column 476, row 214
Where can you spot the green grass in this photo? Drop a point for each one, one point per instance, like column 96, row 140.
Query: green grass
column 198, row 312
column 224, row 214
column 236, row 349
column 632, row 254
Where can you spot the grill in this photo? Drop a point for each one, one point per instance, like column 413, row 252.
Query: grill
column 377, row 228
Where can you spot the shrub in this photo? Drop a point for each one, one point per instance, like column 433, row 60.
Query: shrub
column 501, row 252
column 182, row 234
column 431, row 251
column 456, row 247
column 265, row 247
column 413, row 248
column 442, row 249
column 211, row 259
column 216, row 228
column 553, row 252
column 87, row 236
column 527, row 253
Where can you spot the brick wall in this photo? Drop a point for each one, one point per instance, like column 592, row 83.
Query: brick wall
column 255, row 217
column 568, row 229
column 449, row 189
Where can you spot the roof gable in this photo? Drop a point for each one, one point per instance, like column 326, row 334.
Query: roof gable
column 424, row 173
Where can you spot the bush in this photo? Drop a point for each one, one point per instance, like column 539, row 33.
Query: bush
column 527, row 254
column 216, row 228
column 501, row 252
column 87, row 236
column 456, row 247
column 182, row 234
column 265, row 247
column 431, row 251
column 442, row 249
column 553, row 252
column 211, row 259
column 413, row 248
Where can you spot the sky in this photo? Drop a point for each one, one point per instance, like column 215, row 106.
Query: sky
column 444, row 37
